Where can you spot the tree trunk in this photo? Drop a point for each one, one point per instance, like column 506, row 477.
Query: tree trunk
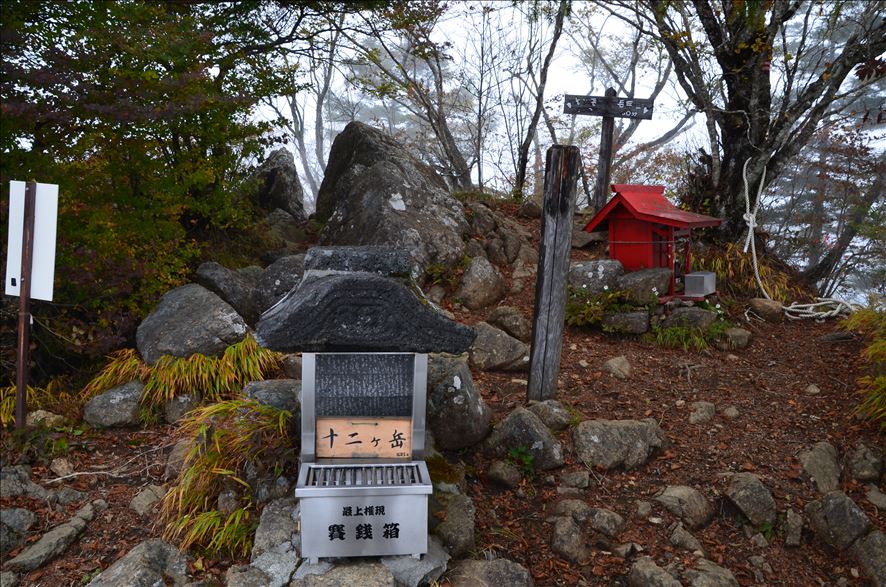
column 523, row 159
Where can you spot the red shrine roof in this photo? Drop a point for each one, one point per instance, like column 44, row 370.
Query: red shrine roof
column 647, row 202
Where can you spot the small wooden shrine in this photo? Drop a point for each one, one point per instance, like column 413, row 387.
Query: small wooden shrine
column 644, row 228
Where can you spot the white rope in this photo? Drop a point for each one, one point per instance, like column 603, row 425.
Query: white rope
column 819, row 310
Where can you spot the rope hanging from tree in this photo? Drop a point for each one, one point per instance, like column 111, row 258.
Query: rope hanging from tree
column 822, row 307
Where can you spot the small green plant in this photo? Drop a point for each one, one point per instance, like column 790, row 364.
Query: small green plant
column 678, row 337
column 586, row 309
column 767, row 530
column 208, row 378
column 523, row 459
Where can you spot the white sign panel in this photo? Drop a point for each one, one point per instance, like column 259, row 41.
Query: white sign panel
column 43, row 260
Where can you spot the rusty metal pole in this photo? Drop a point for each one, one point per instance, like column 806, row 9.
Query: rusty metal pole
column 24, row 310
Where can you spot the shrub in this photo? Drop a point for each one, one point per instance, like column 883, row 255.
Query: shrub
column 207, row 378
column 227, row 436
column 870, row 322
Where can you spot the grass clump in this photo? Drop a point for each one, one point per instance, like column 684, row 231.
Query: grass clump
column 735, row 274
column 53, row 398
column 228, row 436
column 208, row 378
column 586, row 309
column 688, row 337
column 870, row 322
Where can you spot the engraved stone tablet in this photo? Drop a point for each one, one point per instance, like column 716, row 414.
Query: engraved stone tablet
column 367, row 385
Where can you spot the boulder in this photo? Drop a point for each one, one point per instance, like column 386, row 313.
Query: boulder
column 246, row 576
column 177, row 456
column 645, row 573
column 375, row 192
column 552, row 413
column 682, row 538
column 283, row 394
column 44, row 418
column 365, row 573
column 188, row 320
column 768, row 310
column 153, row 562
column 524, row 431
column 688, row 504
column 529, row 209
column 118, row 406
column 866, row 463
column 457, row 414
column 278, row 184
column 15, row 480
column 612, row 443
column 281, row 227
column 512, row 321
column 278, row 279
column 9, row 539
column 702, row 412
column 495, row 252
column 54, row 542
column 690, row 317
column 575, row 509
column 526, row 264
column 9, row 579
column 870, row 551
column 707, row 574
column 876, row 497
column 578, row 479
column 595, row 277
column 19, row 520
column 457, row 529
column 513, row 242
column 645, row 286
column 837, row 520
column 337, row 311
column 504, row 473
column 734, row 338
column 606, row 522
column 619, row 367
column 178, row 407
column 61, row 467
column 490, row 573
column 754, row 500
column 229, row 285
column 412, row 572
column 145, row 500
column 481, row 285
column 568, row 541
column 820, row 463
column 626, row 322
column 495, row 350
column 793, row 531
column 274, row 547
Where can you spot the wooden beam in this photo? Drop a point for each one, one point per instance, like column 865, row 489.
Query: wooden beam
column 561, row 175
column 24, row 310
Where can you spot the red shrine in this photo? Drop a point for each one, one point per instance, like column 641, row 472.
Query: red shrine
column 643, row 228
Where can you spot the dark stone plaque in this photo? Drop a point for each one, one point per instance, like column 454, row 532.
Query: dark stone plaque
column 387, row 261
column 366, row 385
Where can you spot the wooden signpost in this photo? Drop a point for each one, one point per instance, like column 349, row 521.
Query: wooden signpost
column 558, row 208
column 609, row 107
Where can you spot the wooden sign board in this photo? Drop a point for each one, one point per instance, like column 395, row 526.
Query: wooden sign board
column 364, row 438
column 608, row 106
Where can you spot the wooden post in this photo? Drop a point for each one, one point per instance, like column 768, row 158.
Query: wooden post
column 24, row 311
column 604, row 162
column 561, row 176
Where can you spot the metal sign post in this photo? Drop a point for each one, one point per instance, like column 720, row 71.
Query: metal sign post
column 24, row 309
column 610, row 108
column 30, row 266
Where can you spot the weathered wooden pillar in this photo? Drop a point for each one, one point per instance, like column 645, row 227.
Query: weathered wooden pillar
column 561, row 175
column 604, row 163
